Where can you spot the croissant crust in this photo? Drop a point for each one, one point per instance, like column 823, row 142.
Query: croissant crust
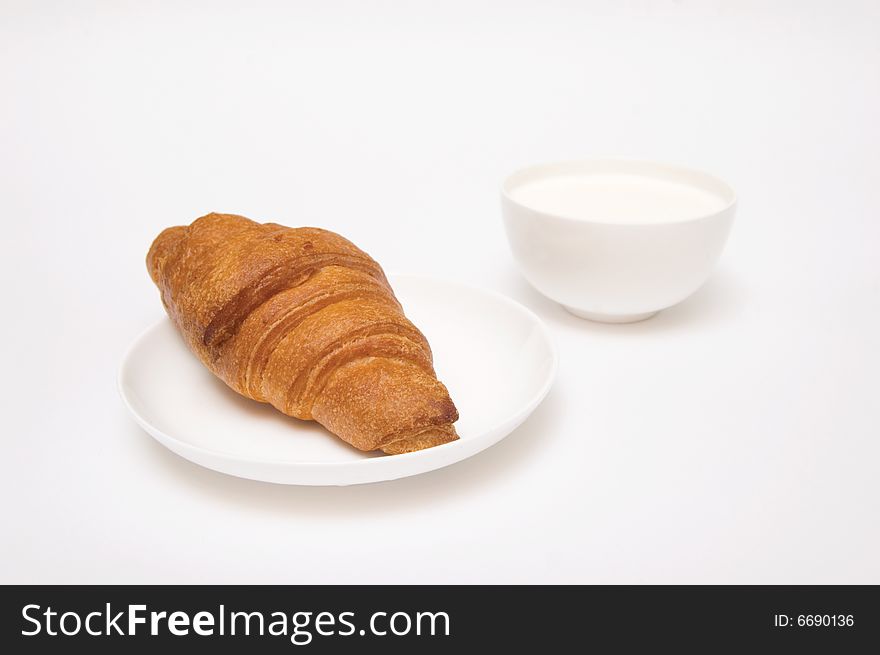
column 304, row 320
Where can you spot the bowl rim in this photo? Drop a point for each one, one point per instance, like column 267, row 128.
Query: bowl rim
column 698, row 178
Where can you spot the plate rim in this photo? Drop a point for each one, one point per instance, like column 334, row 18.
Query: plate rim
column 367, row 462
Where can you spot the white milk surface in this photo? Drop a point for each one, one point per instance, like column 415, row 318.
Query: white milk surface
column 617, row 198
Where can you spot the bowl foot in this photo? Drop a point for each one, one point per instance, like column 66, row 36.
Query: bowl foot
column 610, row 318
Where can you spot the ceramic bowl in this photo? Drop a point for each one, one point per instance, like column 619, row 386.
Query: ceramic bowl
column 616, row 240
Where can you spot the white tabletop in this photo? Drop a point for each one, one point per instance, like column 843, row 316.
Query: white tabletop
column 733, row 438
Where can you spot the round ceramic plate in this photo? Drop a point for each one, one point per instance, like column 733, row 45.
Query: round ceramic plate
column 493, row 354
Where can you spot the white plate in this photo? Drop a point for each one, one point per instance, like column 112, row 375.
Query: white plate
column 493, row 354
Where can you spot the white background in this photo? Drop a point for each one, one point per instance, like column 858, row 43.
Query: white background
column 732, row 439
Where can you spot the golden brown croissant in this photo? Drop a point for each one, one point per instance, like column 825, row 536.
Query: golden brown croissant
column 304, row 320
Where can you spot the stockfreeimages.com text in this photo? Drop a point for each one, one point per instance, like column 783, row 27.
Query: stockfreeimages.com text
column 300, row 627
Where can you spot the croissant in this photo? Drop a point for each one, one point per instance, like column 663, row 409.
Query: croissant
column 303, row 319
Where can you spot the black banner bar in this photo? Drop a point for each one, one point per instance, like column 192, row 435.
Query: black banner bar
column 106, row 619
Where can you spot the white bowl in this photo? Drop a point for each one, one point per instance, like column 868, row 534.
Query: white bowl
column 616, row 240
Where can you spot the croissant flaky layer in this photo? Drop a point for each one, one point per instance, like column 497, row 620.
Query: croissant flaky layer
column 303, row 319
